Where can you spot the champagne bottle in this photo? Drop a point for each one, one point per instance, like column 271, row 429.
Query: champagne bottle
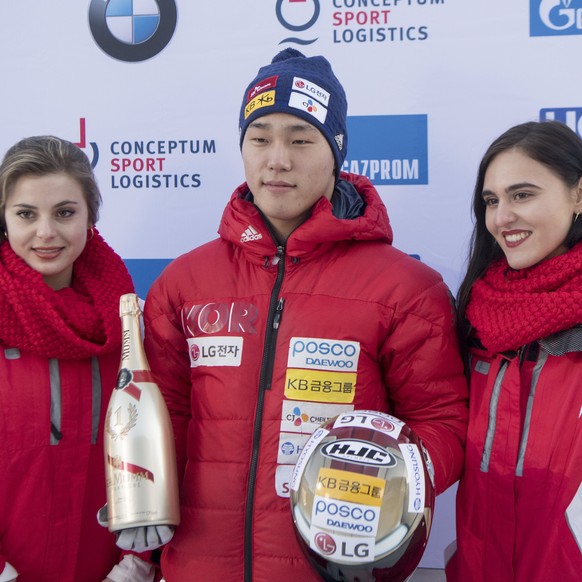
column 140, row 459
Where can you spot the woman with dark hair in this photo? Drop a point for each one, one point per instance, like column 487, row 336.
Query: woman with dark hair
column 519, row 502
column 60, row 345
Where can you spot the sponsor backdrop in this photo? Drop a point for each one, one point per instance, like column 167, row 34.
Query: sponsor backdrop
column 151, row 90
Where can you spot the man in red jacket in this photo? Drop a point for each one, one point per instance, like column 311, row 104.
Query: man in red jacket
column 300, row 310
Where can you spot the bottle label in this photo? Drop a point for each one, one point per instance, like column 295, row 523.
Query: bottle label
column 133, row 472
column 119, row 421
column 126, row 380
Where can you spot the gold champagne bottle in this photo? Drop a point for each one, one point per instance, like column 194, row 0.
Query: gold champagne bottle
column 140, row 459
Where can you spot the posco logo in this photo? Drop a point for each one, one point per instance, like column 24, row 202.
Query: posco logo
column 359, row 452
column 323, row 348
column 323, row 354
column 132, row 31
column 345, row 516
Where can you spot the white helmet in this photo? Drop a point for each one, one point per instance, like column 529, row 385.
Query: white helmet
column 362, row 498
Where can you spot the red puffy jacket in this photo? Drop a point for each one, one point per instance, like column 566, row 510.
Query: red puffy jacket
column 51, row 489
column 254, row 345
column 519, row 502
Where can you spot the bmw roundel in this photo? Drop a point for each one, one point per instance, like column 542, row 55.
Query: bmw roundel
column 132, row 30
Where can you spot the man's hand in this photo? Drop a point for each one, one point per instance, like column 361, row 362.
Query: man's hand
column 132, row 569
column 142, row 539
column 8, row 574
column 139, row 539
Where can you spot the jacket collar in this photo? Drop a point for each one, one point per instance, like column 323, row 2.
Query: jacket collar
column 355, row 212
column 563, row 342
column 558, row 344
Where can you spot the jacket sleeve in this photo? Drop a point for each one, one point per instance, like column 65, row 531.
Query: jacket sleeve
column 423, row 373
column 167, row 352
column 7, row 572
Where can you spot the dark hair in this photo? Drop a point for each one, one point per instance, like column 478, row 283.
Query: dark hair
column 550, row 143
column 42, row 155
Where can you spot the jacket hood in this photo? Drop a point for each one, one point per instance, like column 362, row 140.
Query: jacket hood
column 356, row 212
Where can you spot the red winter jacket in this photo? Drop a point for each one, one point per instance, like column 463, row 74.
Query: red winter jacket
column 50, row 489
column 519, row 502
column 254, row 345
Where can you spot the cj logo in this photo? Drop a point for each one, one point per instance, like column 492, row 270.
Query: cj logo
column 132, row 31
column 297, row 16
column 300, row 417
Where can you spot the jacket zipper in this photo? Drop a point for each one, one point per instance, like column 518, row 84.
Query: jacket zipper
column 520, row 355
column 56, row 410
column 542, row 357
column 56, row 405
column 267, row 363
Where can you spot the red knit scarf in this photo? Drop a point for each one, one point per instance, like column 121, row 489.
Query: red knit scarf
column 511, row 308
column 77, row 322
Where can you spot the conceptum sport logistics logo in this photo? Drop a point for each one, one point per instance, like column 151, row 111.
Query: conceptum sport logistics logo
column 356, row 21
column 132, row 30
column 151, row 163
column 297, row 16
column 555, row 17
column 82, row 143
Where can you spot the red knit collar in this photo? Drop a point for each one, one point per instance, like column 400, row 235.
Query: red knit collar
column 510, row 308
column 77, row 322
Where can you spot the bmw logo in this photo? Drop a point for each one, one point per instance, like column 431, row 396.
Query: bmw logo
column 132, row 30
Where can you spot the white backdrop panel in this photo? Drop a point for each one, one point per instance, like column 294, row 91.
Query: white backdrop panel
column 473, row 68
